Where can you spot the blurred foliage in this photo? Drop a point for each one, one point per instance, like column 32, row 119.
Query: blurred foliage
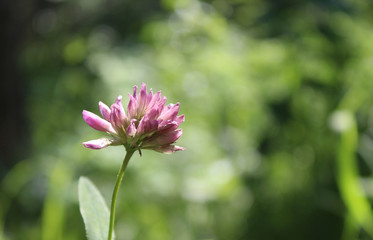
column 263, row 84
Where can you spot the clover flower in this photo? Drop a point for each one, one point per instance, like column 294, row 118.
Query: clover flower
column 148, row 124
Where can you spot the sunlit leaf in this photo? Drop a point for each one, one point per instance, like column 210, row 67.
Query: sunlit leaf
column 94, row 210
column 348, row 178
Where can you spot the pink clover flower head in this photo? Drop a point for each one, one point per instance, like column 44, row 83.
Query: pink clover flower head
column 148, row 123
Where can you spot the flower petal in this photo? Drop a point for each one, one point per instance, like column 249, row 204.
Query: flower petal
column 149, row 97
column 98, row 143
column 141, row 100
column 118, row 116
column 152, row 113
column 131, row 109
column 135, row 92
column 131, row 129
column 168, row 149
column 180, row 119
column 155, row 100
column 147, row 126
column 163, row 138
column 104, row 110
column 97, row 123
column 170, row 112
column 168, row 126
column 161, row 103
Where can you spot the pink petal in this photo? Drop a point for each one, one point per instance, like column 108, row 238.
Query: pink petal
column 97, row 123
column 161, row 103
column 168, row 126
column 141, row 126
column 180, row 119
column 153, row 113
column 135, row 92
column 131, row 109
column 147, row 126
column 163, row 139
column 149, row 97
column 142, row 99
column 168, row 149
column 171, row 125
column 155, row 100
column 131, row 129
column 104, row 110
column 170, row 112
column 118, row 116
column 98, row 143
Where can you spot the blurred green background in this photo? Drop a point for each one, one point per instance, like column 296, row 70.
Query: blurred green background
column 278, row 98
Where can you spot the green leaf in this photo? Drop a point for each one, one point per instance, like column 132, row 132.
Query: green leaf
column 349, row 181
column 94, row 210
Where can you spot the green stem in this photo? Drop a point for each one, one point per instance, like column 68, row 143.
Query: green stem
column 116, row 190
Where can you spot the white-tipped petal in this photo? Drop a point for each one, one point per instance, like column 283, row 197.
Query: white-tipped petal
column 168, row 149
column 98, row 143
